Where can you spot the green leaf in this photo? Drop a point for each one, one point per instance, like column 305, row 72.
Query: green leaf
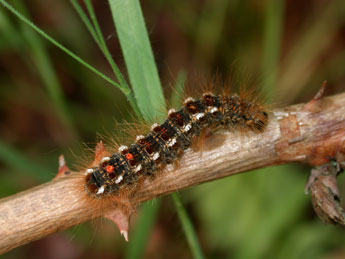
column 188, row 227
column 137, row 52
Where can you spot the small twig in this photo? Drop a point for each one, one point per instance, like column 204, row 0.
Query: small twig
column 325, row 195
column 60, row 204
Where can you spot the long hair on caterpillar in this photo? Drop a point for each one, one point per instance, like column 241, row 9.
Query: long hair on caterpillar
column 165, row 143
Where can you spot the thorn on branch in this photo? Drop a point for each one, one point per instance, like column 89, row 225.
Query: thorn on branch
column 63, row 168
column 121, row 218
column 314, row 105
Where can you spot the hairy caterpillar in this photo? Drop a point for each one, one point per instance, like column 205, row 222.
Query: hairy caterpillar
column 165, row 142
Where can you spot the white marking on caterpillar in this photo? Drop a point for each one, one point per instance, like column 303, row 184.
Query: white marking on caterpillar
column 172, row 142
column 101, row 190
column 154, row 125
column 105, row 159
column 89, row 171
column 122, row 148
column 155, row 156
column 213, row 110
column 198, row 116
column 119, row 179
column 137, row 169
column 189, row 99
column 187, row 127
column 139, row 137
column 171, row 111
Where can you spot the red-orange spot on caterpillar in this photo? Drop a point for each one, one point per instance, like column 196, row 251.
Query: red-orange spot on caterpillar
column 129, row 156
column 110, row 168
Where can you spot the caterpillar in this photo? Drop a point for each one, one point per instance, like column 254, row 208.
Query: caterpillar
column 167, row 141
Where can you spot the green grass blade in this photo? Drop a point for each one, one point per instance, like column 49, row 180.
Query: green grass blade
column 137, row 52
column 9, row 33
column 60, row 46
column 94, row 21
column 96, row 33
column 103, row 45
column 272, row 43
column 83, row 16
column 188, row 227
column 143, row 228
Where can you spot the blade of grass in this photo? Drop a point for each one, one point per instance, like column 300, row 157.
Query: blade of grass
column 272, row 43
column 96, row 33
column 85, row 19
column 9, row 32
column 103, row 45
column 142, row 230
column 63, row 48
column 187, row 227
column 137, row 52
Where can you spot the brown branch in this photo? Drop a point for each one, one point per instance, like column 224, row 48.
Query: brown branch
column 305, row 133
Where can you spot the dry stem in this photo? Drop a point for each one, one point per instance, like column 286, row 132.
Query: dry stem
column 312, row 134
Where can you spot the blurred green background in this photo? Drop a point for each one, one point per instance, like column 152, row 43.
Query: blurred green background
column 50, row 104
